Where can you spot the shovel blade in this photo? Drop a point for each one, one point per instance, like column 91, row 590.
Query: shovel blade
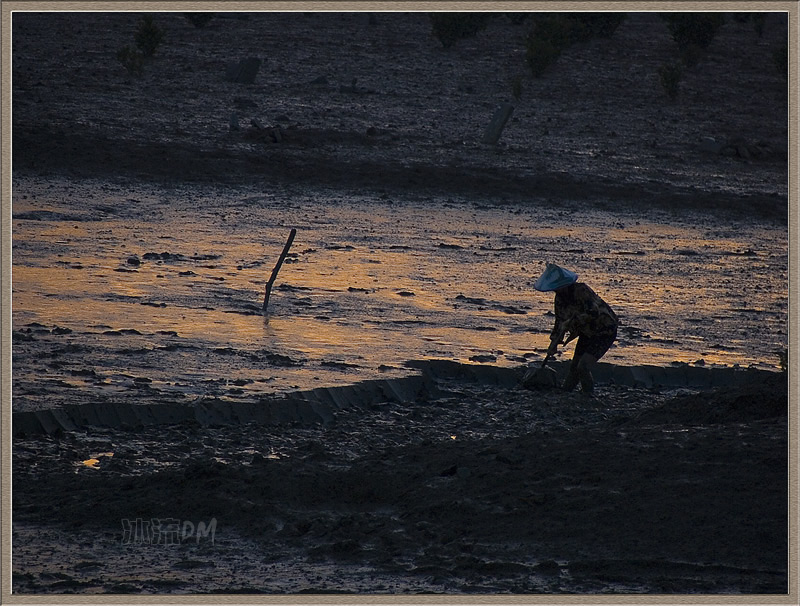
column 539, row 378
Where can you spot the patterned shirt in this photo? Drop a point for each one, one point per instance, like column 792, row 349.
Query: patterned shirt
column 581, row 312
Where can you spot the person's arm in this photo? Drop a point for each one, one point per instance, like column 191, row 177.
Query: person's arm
column 558, row 332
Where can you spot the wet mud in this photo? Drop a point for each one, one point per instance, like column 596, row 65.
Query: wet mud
column 170, row 438
column 162, row 296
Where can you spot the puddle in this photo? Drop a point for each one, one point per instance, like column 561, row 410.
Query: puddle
column 93, row 462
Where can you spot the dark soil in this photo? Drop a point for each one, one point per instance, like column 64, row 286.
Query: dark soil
column 597, row 126
column 486, row 489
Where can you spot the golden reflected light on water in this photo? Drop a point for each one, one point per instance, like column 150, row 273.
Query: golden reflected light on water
column 370, row 285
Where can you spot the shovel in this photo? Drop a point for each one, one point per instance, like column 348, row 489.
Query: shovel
column 536, row 378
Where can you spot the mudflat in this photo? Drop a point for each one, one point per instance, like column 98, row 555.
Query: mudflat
column 148, row 211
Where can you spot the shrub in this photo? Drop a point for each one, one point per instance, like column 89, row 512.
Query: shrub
column 693, row 32
column 596, row 25
column 565, row 29
column 199, row 20
column 551, row 33
column 132, row 60
column 758, row 20
column 559, row 29
column 148, row 36
column 539, row 54
column 693, row 28
column 449, row 28
column 554, row 32
column 670, row 75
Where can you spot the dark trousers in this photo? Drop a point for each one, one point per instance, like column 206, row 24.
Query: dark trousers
column 596, row 346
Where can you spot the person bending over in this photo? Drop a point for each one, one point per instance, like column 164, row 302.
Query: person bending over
column 582, row 314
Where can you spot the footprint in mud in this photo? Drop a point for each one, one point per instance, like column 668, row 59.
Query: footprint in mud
column 164, row 256
column 48, row 215
column 207, row 257
column 22, row 336
column 509, row 309
column 83, row 372
column 483, row 303
column 249, row 265
column 291, row 288
column 193, row 564
column 483, row 358
column 120, row 332
column 471, row 300
column 338, row 365
column 274, row 359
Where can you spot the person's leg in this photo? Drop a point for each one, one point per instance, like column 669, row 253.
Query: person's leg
column 573, row 377
column 588, row 351
column 584, row 372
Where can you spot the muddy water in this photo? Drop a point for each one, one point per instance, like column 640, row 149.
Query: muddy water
column 121, row 289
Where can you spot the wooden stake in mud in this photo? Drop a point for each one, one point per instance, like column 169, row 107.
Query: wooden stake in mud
column 498, row 123
column 268, row 287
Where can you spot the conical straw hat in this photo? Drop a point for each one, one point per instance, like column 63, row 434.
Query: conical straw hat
column 554, row 277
